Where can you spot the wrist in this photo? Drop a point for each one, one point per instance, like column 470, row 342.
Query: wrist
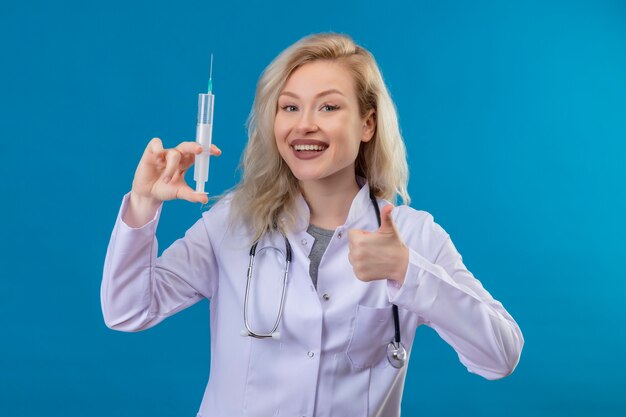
column 401, row 265
column 143, row 202
column 140, row 210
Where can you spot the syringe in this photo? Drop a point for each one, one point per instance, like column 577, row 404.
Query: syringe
column 204, row 134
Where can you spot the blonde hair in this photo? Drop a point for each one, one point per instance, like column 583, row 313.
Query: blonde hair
column 268, row 190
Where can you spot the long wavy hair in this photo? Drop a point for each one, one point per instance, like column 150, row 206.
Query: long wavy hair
column 268, row 190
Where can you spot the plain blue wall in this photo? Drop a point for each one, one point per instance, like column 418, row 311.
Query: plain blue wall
column 514, row 115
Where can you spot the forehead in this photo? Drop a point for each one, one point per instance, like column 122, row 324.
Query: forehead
column 318, row 76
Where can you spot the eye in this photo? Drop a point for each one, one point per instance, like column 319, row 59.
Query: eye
column 289, row 108
column 329, row 107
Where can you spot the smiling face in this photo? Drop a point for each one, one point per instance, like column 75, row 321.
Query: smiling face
column 318, row 128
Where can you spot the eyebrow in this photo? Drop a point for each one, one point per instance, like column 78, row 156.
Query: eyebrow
column 323, row 93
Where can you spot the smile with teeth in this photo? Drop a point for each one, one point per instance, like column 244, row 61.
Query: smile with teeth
column 317, row 148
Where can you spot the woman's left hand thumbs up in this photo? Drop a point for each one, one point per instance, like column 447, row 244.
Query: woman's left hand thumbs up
column 380, row 254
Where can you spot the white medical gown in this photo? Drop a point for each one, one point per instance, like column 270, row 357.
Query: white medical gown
column 331, row 357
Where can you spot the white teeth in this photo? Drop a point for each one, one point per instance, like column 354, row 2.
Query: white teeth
column 309, row 147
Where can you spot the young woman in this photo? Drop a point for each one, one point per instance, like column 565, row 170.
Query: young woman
column 317, row 282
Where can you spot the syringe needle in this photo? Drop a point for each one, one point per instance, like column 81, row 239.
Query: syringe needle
column 211, row 74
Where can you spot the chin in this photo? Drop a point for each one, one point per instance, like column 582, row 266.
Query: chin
column 307, row 176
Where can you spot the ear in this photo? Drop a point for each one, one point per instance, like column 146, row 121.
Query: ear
column 369, row 126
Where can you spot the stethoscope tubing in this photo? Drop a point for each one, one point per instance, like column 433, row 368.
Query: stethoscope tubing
column 273, row 333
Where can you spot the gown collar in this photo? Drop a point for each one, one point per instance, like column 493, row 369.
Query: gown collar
column 360, row 205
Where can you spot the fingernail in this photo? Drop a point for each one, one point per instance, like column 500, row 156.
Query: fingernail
column 167, row 179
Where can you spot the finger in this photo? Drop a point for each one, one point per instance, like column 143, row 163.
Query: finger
column 187, row 193
column 352, row 238
column 190, row 158
column 215, row 150
column 189, row 148
column 186, row 162
column 356, row 235
column 172, row 158
column 386, row 222
column 155, row 152
column 155, row 146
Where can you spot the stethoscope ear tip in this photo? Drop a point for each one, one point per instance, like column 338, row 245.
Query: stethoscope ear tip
column 244, row 333
column 276, row 335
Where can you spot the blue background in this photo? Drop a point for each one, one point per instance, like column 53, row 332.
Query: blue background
column 514, row 119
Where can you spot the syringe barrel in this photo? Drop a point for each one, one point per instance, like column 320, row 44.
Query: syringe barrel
column 205, row 108
column 204, row 133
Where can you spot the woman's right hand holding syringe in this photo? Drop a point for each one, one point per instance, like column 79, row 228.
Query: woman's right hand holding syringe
column 160, row 176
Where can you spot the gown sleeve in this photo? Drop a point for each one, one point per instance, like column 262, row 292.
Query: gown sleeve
column 439, row 288
column 139, row 289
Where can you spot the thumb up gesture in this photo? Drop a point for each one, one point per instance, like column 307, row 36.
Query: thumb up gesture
column 380, row 254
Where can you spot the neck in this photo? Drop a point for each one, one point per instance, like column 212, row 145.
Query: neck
column 329, row 200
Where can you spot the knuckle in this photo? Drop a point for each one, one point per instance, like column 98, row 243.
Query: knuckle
column 173, row 154
column 352, row 259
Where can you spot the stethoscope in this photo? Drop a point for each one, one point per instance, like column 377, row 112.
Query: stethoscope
column 396, row 353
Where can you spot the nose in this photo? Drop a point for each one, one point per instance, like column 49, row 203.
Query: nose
column 306, row 123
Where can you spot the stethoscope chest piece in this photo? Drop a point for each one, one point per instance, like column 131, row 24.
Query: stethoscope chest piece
column 396, row 354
